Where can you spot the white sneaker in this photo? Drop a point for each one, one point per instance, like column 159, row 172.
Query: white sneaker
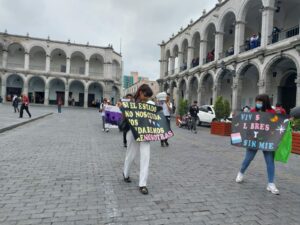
column 272, row 188
column 239, row 178
column 107, row 130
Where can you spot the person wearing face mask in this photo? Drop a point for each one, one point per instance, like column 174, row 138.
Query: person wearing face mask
column 262, row 104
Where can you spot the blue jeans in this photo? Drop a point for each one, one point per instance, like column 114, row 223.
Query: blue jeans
column 269, row 159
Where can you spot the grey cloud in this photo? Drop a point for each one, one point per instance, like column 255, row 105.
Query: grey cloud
column 140, row 24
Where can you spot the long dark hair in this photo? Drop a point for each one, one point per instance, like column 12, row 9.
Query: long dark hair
column 264, row 98
column 147, row 91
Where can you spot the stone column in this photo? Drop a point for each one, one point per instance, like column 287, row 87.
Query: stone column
column 203, row 52
column 216, row 91
column 3, row 90
column 68, row 65
column 261, row 87
column 86, row 92
column 4, row 58
column 267, row 25
column 66, row 94
column 177, row 101
column 87, row 67
column 162, row 68
column 236, row 97
column 180, row 60
column 297, row 81
column 239, row 36
column 190, row 57
column 48, row 62
column 46, row 99
column 219, row 45
column 172, row 61
column 26, row 63
column 25, row 87
column 199, row 97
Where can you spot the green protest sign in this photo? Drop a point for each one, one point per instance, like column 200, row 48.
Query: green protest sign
column 147, row 122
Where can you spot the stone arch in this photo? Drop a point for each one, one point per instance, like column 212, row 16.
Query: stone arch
column 95, row 93
column 227, row 28
column 280, row 76
column 251, row 14
column 175, row 55
column 16, row 56
column 36, row 89
column 57, row 88
column 286, row 20
column 77, row 63
column 14, row 85
column 116, row 95
column 168, row 62
column 193, row 87
column 76, row 93
column 196, row 38
column 209, row 37
column 183, row 88
column 206, row 88
column 224, row 82
column 58, row 62
column 37, row 58
column 96, row 65
column 184, row 50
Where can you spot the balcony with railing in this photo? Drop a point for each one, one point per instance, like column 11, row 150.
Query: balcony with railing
column 12, row 65
column 58, row 68
column 37, row 67
column 250, row 44
column 279, row 35
column 96, row 74
column 77, row 70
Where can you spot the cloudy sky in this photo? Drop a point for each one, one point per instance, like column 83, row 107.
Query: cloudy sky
column 141, row 24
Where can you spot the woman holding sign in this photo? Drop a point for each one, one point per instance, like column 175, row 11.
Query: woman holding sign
column 142, row 95
column 262, row 104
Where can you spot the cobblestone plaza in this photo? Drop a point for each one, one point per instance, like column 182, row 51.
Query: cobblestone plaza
column 62, row 169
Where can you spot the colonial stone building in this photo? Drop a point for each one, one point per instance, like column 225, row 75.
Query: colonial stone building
column 237, row 50
column 47, row 70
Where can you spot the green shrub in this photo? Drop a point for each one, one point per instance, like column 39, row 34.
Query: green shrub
column 296, row 125
column 183, row 107
column 222, row 108
column 219, row 108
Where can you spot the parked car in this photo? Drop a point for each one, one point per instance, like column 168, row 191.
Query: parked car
column 206, row 114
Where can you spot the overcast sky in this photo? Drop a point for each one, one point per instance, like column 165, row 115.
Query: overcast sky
column 141, row 24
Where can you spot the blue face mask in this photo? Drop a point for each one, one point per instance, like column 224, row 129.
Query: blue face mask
column 259, row 105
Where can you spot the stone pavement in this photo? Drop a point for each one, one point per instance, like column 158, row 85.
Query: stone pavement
column 64, row 170
column 10, row 119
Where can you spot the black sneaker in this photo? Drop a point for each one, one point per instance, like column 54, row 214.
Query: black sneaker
column 125, row 145
column 144, row 190
column 126, row 179
column 167, row 144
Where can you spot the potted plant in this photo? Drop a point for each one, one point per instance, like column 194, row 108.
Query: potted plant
column 182, row 110
column 296, row 136
column 220, row 126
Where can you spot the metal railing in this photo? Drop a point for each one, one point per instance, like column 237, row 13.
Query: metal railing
column 37, row 67
column 226, row 53
column 59, row 69
column 15, row 65
column 96, row 73
column 78, row 70
column 249, row 46
column 279, row 35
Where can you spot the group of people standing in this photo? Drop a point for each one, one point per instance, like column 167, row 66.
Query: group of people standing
column 24, row 104
column 143, row 94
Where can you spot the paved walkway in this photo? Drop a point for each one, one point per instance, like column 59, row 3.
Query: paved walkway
column 64, row 170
